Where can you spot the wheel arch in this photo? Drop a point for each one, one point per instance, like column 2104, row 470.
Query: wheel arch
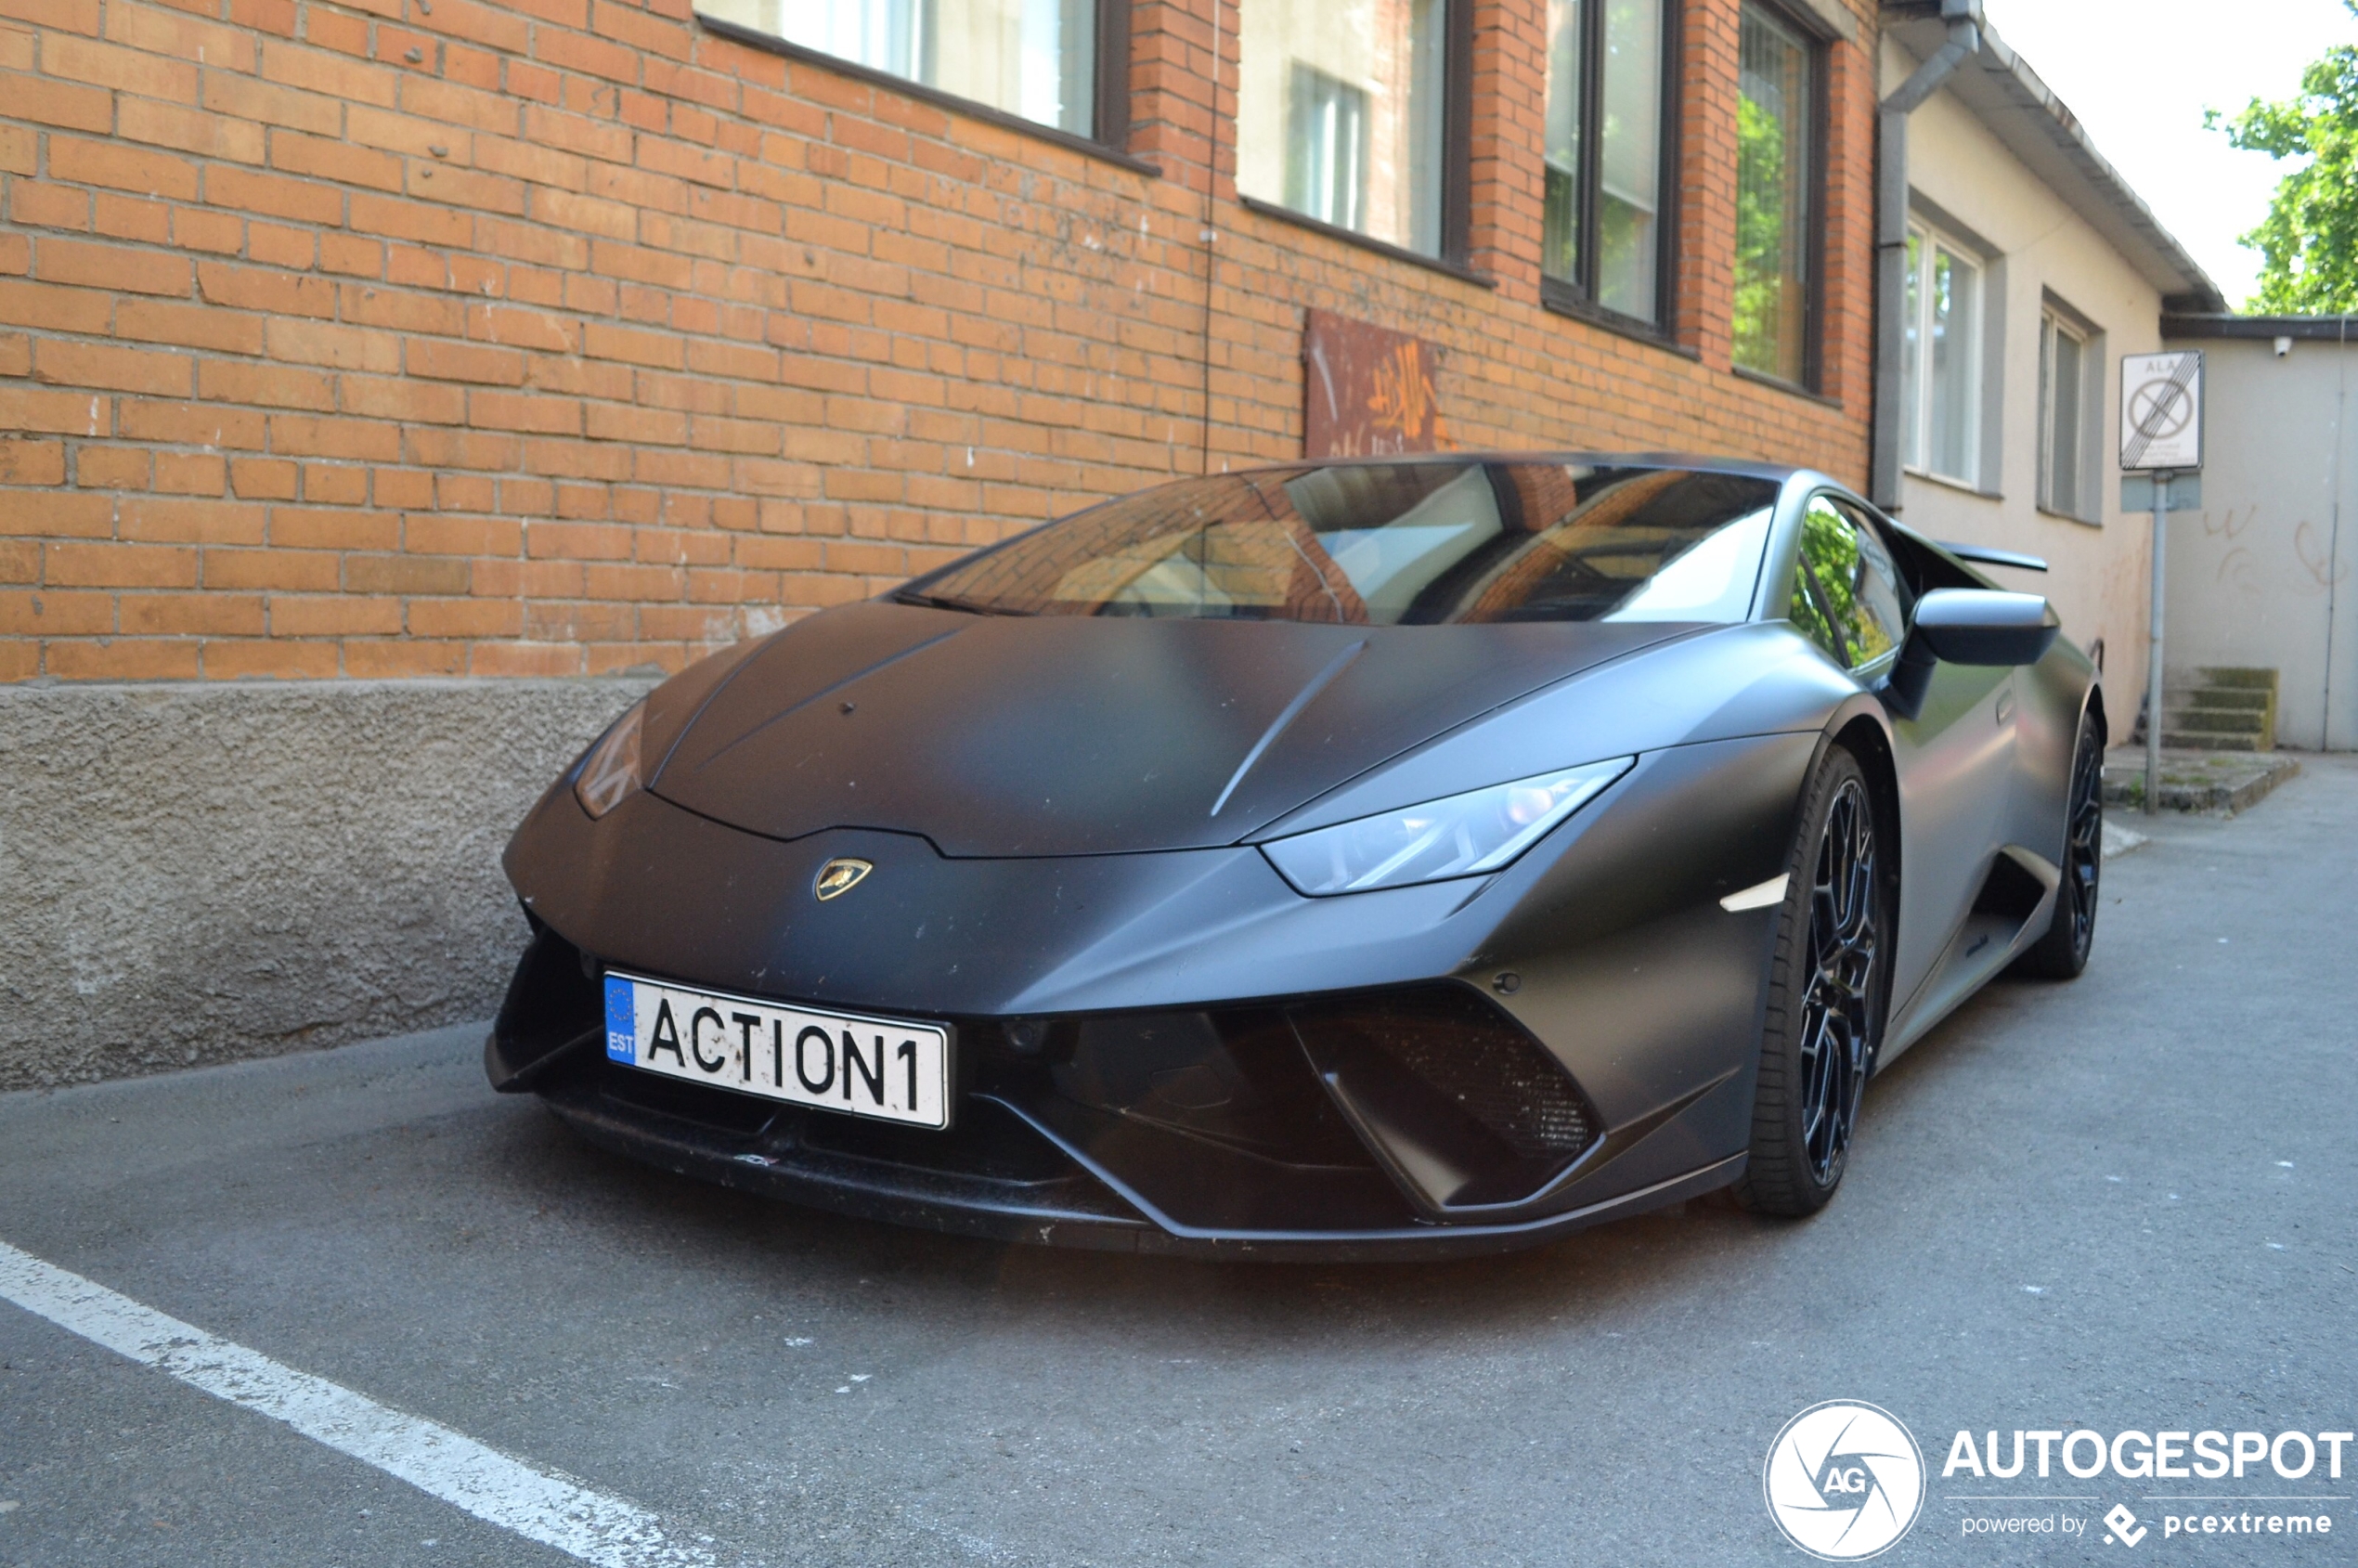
column 1867, row 740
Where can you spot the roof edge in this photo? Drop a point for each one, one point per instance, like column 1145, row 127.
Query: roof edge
column 2191, row 291
column 2222, row 324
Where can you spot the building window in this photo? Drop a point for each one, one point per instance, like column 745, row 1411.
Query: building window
column 1326, row 148
column 1607, row 68
column 2063, row 437
column 1776, row 196
column 1034, row 59
column 1341, row 113
column 1940, row 360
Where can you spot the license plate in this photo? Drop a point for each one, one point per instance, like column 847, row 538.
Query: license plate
column 889, row 1069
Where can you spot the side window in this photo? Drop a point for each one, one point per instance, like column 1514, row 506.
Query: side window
column 1847, row 594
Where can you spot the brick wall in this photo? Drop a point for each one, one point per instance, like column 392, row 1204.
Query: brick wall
column 406, row 337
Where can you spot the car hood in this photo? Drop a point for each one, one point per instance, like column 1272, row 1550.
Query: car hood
column 1057, row 735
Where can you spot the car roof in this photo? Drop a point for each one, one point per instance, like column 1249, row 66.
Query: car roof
column 1777, row 472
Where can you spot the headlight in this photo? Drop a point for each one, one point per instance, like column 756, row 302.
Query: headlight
column 1462, row 835
column 611, row 771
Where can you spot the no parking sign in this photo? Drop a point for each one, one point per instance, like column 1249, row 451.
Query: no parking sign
column 2161, row 410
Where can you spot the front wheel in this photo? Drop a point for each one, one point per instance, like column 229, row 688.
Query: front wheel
column 1829, row 984
column 2062, row 953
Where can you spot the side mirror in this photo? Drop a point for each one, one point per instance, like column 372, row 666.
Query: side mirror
column 1982, row 626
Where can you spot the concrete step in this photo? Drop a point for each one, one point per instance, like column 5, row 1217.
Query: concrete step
column 2228, row 675
column 2220, row 721
column 2251, row 699
column 2195, row 779
column 2226, row 707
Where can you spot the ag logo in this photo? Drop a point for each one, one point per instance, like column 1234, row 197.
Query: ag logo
column 840, row 876
column 1844, row 1481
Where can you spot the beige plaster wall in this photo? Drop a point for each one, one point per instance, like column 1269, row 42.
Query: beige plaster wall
column 1966, row 182
column 2256, row 576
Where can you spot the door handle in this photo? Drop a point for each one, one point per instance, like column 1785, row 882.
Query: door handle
column 2005, row 705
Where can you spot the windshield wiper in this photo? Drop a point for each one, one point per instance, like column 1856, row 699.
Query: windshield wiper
column 942, row 602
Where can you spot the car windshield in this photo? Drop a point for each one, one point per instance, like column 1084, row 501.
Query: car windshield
column 1392, row 544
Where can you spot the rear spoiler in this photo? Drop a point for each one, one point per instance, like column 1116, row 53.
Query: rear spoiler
column 1985, row 556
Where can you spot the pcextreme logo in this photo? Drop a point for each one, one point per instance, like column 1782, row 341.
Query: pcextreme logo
column 1845, row 1480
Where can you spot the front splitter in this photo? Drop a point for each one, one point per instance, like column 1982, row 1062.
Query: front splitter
column 1094, row 1212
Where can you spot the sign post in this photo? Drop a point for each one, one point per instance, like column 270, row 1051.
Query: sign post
column 2161, row 440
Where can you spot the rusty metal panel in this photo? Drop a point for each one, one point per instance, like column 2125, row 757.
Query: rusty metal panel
column 1368, row 391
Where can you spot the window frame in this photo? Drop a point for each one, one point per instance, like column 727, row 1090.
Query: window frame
column 1109, row 106
column 1577, row 296
column 1932, row 236
column 1453, row 256
column 1815, row 36
column 2056, row 316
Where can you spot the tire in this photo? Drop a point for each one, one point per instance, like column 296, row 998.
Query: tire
column 1828, row 990
column 2062, row 953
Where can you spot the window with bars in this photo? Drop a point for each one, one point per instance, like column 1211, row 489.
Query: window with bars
column 1776, row 117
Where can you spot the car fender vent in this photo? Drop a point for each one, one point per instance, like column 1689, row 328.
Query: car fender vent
column 2012, row 891
column 1456, row 1099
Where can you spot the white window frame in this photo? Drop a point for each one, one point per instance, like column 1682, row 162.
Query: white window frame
column 1916, row 437
column 2087, row 482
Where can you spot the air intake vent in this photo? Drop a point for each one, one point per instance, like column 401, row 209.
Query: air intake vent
column 1461, row 1103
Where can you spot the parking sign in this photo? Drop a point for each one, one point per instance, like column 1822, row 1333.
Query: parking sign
column 2161, row 410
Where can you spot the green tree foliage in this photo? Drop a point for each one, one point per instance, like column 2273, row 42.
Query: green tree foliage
column 1825, row 599
column 2308, row 244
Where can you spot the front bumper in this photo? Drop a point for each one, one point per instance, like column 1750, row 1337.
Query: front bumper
column 1415, row 1120
column 1237, row 1070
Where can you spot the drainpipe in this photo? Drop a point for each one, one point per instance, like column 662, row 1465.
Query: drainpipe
column 1963, row 17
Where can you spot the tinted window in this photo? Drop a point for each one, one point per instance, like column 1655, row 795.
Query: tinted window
column 1027, row 57
column 1846, row 594
column 1392, row 544
column 1340, row 112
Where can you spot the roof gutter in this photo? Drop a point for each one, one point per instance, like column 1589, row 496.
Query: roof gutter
column 1964, row 21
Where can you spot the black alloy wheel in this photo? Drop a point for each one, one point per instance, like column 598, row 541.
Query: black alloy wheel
column 1837, row 1026
column 2062, row 953
column 1828, row 989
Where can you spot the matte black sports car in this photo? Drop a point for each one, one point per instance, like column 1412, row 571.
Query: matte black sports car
column 1337, row 859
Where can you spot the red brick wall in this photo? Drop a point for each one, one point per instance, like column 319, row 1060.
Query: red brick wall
column 400, row 337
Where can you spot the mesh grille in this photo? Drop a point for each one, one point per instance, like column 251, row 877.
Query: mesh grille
column 1478, row 1059
column 1504, row 1084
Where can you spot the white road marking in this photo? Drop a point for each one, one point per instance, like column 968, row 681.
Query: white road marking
column 2120, row 840
column 540, row 1505
column 1758, row 896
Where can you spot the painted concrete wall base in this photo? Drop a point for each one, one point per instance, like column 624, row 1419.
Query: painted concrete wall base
column 199, row 873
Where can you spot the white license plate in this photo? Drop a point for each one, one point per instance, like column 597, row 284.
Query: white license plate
column 889, row 1069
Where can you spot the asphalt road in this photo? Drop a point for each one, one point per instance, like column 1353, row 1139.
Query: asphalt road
column 2125, row 1202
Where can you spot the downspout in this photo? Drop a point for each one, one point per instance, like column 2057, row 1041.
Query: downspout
column 1963, row 17
column 2333, row 546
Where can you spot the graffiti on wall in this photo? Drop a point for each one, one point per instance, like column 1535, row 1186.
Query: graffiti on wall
column 1367, row 391
column 2317, row 568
